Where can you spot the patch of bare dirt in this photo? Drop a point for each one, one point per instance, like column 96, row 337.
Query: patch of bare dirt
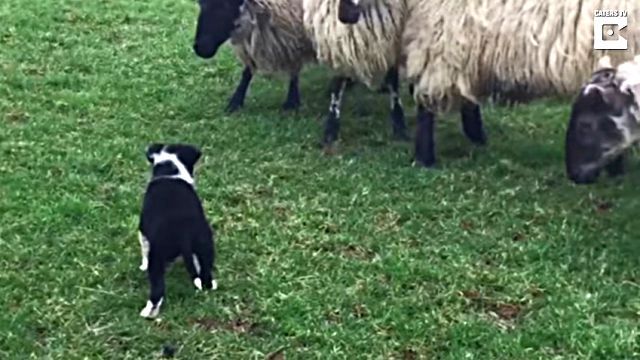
column 502, row 313
column 358, row 252
column 238, row 325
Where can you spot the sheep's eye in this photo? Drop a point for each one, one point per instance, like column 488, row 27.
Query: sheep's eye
column 586, row 126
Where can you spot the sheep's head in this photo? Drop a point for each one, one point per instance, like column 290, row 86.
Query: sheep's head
column 604, row 123
column 216, row 21
column 349, row 11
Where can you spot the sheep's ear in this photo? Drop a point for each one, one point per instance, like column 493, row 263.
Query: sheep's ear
column 604, row 62
column 152, row 150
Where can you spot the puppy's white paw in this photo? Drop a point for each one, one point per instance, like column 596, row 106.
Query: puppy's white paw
column 214, row 284
column 149, row 311
column 144, row 266
column 197, row 283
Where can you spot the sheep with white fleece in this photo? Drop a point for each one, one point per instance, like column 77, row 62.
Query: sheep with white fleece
column 267, row 35
column 460, row 50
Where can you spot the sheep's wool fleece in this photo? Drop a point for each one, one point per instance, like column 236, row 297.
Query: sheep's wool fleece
column 475, row 49
column 365, row 50
column 270, row 36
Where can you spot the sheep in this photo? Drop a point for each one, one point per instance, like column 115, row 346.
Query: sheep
column 604, row 122
column 466, row 51
column 364, row 39
column 267, row 35
column 462, row 52
column 366, row 52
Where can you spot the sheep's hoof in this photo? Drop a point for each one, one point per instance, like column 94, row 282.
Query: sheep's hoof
column 233, row 106
column 330, row 148
column 291, row 105
column 401, row 136
column 428, row 164
column 479, row 139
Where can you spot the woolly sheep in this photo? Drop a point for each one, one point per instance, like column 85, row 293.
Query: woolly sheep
column 267, row 35
column 462, row 52
column 604, row 122
column 365, row 38
column 367, row 52
column 469, row 50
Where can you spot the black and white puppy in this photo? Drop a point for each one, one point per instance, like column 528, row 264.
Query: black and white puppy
column 173, row 223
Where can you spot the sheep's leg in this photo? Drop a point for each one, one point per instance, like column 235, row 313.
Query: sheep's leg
column 293, row 96
column 332, row 124
column 472, row 123
column 237, row 100
column 424, row 143
column 616, row 167
column 397, row 113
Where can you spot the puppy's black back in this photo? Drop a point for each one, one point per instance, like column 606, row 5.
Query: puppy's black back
column 171, row 215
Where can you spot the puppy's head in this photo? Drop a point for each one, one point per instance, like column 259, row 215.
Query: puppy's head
column 173, row 160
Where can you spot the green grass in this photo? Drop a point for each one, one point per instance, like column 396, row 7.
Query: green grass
column 495, row 255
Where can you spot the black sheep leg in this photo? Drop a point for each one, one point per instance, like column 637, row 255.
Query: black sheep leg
column 332, row 124
column 293, row 96
column 397, row 112
column 237, row 100
column 424, row 142
column 472, row 123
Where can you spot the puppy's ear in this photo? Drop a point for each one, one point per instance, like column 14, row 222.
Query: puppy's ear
column 189, row 155
column 152, row 150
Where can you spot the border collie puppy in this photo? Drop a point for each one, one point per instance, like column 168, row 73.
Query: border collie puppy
column 173, row 223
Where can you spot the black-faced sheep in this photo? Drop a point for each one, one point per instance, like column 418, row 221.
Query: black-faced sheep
column 267, row 35
column 367, row 52
column 367, row 39
column 604, row 122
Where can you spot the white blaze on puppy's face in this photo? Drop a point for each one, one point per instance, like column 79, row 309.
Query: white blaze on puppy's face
column 183, row 174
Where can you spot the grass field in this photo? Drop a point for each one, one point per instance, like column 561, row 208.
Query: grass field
column 494, row 255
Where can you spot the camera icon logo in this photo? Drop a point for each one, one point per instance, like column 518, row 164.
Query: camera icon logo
column 611, row 19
